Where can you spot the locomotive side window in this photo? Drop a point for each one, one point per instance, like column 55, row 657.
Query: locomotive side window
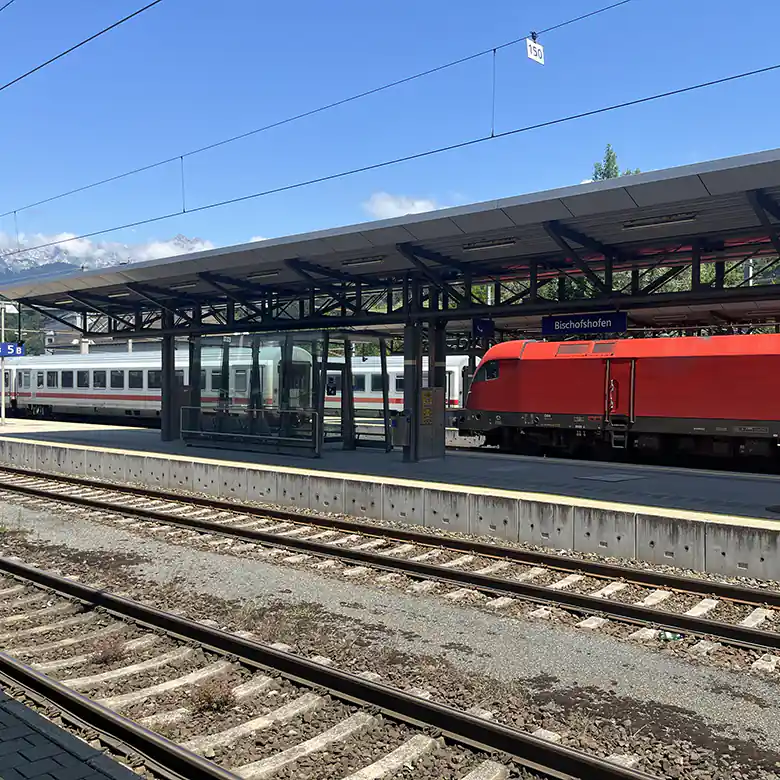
column 82, row 378
column 99, row 380
column 51, row 379
column 487, row 371
column 135, row 380
column 240, row 380
column 117, row 380
column 67, row 379
column 154, row 380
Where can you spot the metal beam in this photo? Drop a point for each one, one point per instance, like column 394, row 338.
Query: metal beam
column 434, row 257
column 87, row 301
column 551, row 228
column 665, row 277
column 300, row 267
column 761, row 204
column 142, row 291
column 48, row 314
column 212, row 281
column 584, row 240
column 410, row 254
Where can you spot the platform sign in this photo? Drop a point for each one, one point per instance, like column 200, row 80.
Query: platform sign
column 568, row 324
column 483, row 328
column 9, row 349
column 535, row 50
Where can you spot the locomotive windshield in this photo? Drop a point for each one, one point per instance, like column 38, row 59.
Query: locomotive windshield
column 487, row 371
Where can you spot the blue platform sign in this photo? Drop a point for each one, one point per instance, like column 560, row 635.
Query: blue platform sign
column 567, row 324
column 9, row 349
column 483, row 328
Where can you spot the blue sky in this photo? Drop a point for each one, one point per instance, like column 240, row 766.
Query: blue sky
column 190, row 72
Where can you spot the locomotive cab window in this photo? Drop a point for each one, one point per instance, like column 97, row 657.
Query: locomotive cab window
column 51, row 379
column 487, row 371
column 67, row 379
column 99, row 380
column 135, row 380
column 82, row 379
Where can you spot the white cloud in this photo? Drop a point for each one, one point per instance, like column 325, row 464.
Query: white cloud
column 257, row 238
column 42, row 249
column 383, row 205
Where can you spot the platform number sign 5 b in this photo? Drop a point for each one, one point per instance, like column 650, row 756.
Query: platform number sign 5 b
column 8, row 349
column 535, row 50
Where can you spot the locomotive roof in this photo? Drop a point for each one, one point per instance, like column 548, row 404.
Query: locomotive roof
column 631, row 212
column 687, row 346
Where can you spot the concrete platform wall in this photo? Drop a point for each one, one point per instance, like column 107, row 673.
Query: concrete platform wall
column 690, row 540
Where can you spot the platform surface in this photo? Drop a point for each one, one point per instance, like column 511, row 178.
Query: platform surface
column 719, row 492
column 33, row 748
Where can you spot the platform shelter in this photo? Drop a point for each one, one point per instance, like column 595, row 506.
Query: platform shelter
column 689, row 249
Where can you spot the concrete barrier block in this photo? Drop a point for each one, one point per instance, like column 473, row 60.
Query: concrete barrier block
column 76, row 460
column 59, row 460
column 4, row 447
column 363, row 499
column 134, row 469
column 670, row 541
column 548, row 525
column 739, row 551
column 205, row 478
column 44, row 459
column 93, row 464
column 292, row 490
column 113, row 466
column 326, row 494
column 156, row 472
column 490, row 516
column 232, row 482
column 446, row 509
column 23, row 455
column 403, row 504
column 261, row 485
column 180, row 475
column 605, row 532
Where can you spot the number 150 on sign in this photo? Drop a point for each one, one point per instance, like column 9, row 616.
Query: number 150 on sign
column 535, row 50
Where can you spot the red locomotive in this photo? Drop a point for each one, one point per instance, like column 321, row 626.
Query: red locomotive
column 715, row 396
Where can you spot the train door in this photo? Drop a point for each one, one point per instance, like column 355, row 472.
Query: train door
column 620, row 399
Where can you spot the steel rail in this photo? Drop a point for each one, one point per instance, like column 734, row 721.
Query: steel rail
column 167, row 755
column 534, row 753
column 649, row 577
column 656, row 579
column 738, row 635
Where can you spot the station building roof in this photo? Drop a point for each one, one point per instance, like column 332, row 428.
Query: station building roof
column 645, row 220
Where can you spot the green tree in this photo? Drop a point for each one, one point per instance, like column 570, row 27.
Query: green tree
column 608, row 168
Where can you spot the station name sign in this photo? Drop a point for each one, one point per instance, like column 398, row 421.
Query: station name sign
column 565, row 324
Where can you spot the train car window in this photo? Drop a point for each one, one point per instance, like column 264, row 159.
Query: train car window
column 573, row 349
column 399, row 383
column 135, row 380
column 51, row 379
column 376, row 383
column 82, row 379
column 334, row 380
column 240, row 380
column 67, row 379
column 99, row 380
column 26, row 379
column 117, row 380
column 154, row 380
column 216, row 380
column 359, row 382
column 203, row 380
column 39, row 379
column 179, row 377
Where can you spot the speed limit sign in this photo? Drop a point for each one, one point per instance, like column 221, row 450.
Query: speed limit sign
column 535, row 50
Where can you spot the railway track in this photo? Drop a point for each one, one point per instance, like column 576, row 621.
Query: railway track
column 638, row 604
column 234, row 708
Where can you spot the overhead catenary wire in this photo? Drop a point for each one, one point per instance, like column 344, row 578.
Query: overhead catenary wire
column 75, row 46
column 5, row 5
column 417, row 156
column 314, row 111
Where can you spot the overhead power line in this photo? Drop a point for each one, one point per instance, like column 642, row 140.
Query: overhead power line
column 5, row 5
column 77, row 45
column 319, row 110
column 417, row 156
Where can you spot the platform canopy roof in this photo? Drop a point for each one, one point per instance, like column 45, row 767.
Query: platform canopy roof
column 713, row 211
